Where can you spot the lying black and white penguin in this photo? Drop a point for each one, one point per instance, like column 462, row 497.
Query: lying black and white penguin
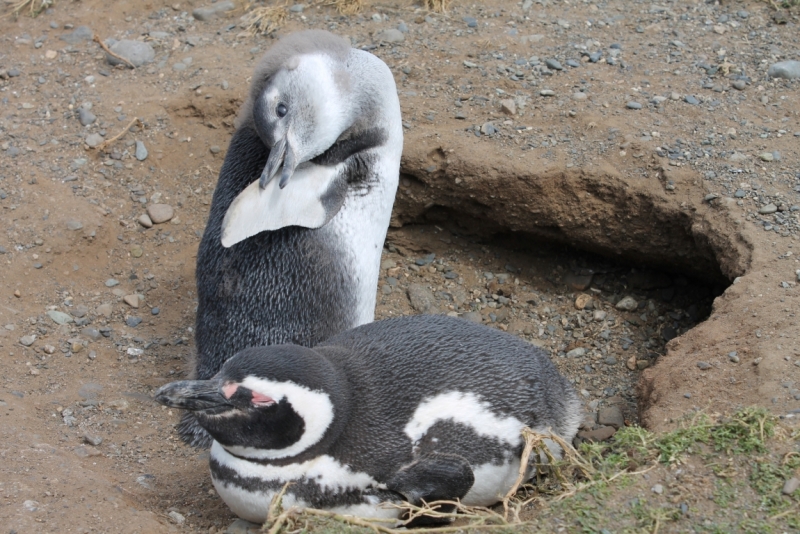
column 291, row 252
column 413, row 408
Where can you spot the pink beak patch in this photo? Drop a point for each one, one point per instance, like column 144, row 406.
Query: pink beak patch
column 229, row 389
column 260, row 399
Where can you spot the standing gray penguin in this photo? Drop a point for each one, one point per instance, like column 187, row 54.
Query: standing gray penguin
column 412, row 408
column 291, row 252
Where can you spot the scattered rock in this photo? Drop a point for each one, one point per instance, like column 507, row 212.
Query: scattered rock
column 86, row 117
column 627, row 304
column 160, row 213
column 390, row 35
column 240, row 526
column 94, row 139
column 789, row 70
column 177, row 518
column 611, row 416
column 111, row 282
column 78, row 35
column 582, row 301
column 508, row 106
column 598, row 434
column 131, row 300
column 141, row 151
column 703, row 366
column 658, row 488
column 144, row 220
column 133, row 321
column 137, row 52
column 59, row 317
column 210, row 12
column 105, row 310
column 553, row 64
column 578, row 282
column 790, row 486
column 74, row 225
column 633, row 105
column 769, row 208
column 27, row 341
column 422, row 299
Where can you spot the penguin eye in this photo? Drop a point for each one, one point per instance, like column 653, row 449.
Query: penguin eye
column 281, row 110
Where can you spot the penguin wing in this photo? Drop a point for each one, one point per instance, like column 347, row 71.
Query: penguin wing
column 433, row 477
column 310, row 199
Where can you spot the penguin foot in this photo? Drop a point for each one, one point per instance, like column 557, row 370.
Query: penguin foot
column 192, row 433
column 433, row 477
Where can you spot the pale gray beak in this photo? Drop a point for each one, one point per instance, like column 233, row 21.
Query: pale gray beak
column 192, row 395
column 280, row 154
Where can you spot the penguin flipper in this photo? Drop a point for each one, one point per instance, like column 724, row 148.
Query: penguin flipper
column 192, row 433
column 433, row 477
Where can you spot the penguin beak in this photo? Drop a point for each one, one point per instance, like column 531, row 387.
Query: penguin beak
column 193, row 395
column 281, row 154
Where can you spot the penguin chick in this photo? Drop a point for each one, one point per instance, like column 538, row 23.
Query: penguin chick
column 296, row 259
column 417, row 408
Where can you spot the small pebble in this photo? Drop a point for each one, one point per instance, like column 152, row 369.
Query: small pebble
column 634, row 105
column 141, row 151
column 703, row 365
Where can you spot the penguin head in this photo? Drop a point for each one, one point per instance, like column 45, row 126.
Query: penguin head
column 298, row 102
column 300, row 113
column 265, row 403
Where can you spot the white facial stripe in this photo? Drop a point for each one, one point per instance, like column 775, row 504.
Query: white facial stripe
column 297, row 204
column 324, row 470
column 466, row 409
column 314, row 407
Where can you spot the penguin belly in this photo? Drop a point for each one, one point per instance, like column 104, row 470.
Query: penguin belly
column 247, row 487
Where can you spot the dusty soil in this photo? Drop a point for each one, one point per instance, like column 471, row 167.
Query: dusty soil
column 673, row 189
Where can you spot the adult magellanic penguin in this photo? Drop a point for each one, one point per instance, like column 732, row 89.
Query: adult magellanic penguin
column 291, row 252
column 413, row 408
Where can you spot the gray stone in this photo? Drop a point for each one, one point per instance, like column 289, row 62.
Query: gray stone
column 92, row 439
column 739, row 85
column 27, row 340
column 80, row 311
column 611, row 416
column 210, row 12
column 144, row 220
column 422, row 299
column 94, row 139
column 703, row 366
column 74, row 225
column 472, row 22
column 86, row 117
column 598, row 434
column 576, row 353
column 79, row 34
column 658, row 488
column 133, row 321
column 59, row 317
column 789, row 70
column 769, row 208
column 573, row 63
column 179, row 66
column 91, row 332
column 547, row 92
column 141, row 151
column 214, row 149
column 790, row 486
column 627, row 303
column 111, row 282
column 297, row 8
column 553, row 64
column 137, row 52
column 488, row 129
column 633, row 105
column 390, row 35
column 177, row 518
column 508, row 106
column 473, row 317
column 689, row 99
column 160, row 213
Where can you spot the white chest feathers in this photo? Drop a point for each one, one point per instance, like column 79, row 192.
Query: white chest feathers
column 251, row 503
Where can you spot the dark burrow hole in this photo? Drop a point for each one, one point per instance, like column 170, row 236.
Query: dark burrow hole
column 558, row 297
